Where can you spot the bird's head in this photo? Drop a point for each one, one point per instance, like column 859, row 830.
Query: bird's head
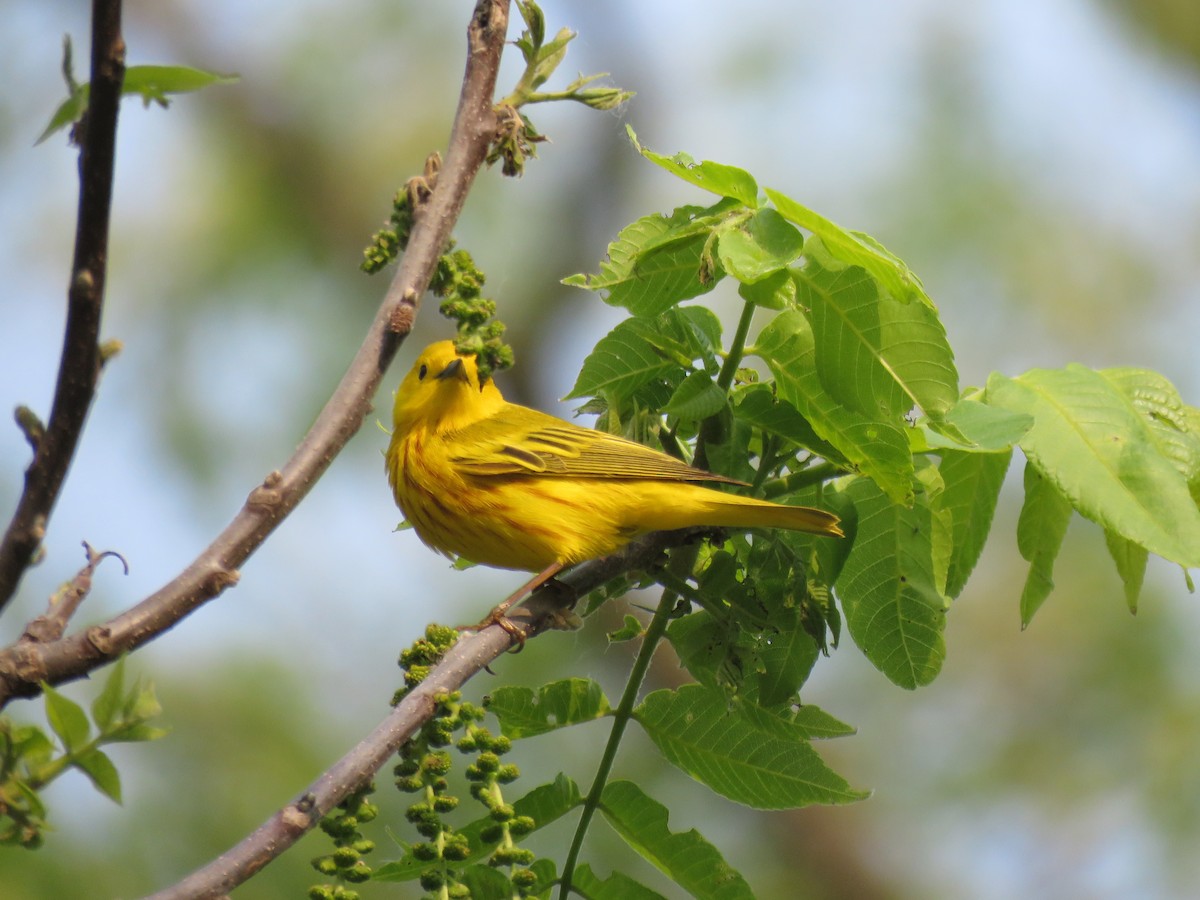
column 442, row 392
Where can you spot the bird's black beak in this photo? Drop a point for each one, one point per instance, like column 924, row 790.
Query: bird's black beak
column 456, row 369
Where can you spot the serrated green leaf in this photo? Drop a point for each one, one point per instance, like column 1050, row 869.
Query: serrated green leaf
column 874, row 353
column 655, row 262
column 763, row 244
column 1040, row 531
column 617, row 886
column 109, row 701
column 544, row 804
column 698, row 397
column 854, row 248
column 880, row 449
column 698, row 730
column 888, row 587
column 757, row 405
column 1099, row 451
column 972, row 486
column 1130, row 560
column 684, row 857
column 100, row 769
column 556, row 705
column 727, row 181
column 788, row 657
column 817, row 724
column 67, row 719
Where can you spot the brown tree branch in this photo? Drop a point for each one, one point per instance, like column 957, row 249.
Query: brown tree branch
column 473, row 652
column 216, row 567
column 79, row 367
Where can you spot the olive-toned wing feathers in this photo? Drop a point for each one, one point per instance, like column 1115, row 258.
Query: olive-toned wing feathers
column 520, row 441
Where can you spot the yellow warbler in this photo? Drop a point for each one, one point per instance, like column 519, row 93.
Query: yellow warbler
column 512, row 487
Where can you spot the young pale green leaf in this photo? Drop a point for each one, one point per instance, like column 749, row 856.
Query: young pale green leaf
column 684, row 857
column 878, row 448
column 67, row 719
column 854, row 248
column 152, row 83
column 888, row 587
column 725, row 747
column 631, row 629
column 100, row 769
column 617, row 886
column 753, row 248
column 109, row 701
column 1131, row 566
column 875, row 353
column 775, row 291
column 1040, row 532
column 718, row 178
column 657, row 262
column 1174, row 426
column 544, row 804
column 698, row 397
column 986, row 429
column 972, row 486
column 523, row 714
column 1100, row 452
column 624, row 360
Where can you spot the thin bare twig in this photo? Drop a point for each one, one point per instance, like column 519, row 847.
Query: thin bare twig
column 79, row 367
column 473, row 652
column 52, row 624
column 215, row 569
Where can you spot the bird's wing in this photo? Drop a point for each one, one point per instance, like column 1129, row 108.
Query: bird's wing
column 520, row 441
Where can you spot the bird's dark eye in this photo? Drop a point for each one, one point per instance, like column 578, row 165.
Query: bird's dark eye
column 422, row 373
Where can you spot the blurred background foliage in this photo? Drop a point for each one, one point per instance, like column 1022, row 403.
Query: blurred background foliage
column 1035, row 162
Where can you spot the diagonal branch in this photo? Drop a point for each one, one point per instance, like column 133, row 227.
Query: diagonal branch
column 473, row 652
column 79, row 368
column 215, row 568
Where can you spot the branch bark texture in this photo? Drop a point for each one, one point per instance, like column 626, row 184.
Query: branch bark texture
column 79, row 367
column 216, row 568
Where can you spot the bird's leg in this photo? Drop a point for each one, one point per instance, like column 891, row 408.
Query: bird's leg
column 497, row 615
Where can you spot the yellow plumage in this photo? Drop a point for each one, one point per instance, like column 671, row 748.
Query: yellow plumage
column 512, row 487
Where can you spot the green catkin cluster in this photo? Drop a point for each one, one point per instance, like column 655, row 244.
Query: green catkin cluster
column 346, row 861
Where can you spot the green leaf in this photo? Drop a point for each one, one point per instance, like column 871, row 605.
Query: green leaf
column 486, row 883
column 523, row 714
column 727, row 181
column 816, row 724
column 763, row 244
column 108, row 702
column 698, row 397
column 775, row 291
column 726, row 747
column 972, row 486
column 987, row 428
column 617, row 886
column 544, row 804
column 627, row 632
column 888, row 587
column 1040, row 532
column 1174, row 426
column 152, row 83
column 67, row 719
column 657, row 262
column 757, row 405
column 787, row 658
column 684, row 857
column 878, row 448
column 1131, row 566
column 854, row 248
column 1099, row 450
column 100, row 769
column 875, row 353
